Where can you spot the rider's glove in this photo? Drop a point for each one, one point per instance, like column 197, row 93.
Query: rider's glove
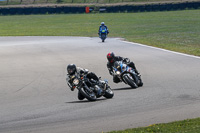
column 70, row 86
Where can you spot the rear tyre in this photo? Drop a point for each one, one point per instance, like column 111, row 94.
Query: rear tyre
column 108, row 93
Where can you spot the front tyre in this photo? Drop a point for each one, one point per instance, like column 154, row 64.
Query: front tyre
column 108, row 93
column 80, row 96
column 103, row 37
column 90, row 95
column 130, row 82
column 140, row 83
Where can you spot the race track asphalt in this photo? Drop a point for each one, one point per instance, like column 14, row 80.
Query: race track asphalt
column 34, row 96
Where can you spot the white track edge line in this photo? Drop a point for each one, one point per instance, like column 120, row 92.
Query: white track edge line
column 193, row 56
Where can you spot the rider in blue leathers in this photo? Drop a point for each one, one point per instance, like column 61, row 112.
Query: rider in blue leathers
column 102, row 24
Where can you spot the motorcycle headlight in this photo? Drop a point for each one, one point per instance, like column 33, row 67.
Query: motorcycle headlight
column 76, row 82
column 118, row 72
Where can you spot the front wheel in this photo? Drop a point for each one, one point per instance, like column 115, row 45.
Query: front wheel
column 90, row 95
column 108, row 93
column 103, row 37
column 130, row 82
column 140, row 83
column 80, row 96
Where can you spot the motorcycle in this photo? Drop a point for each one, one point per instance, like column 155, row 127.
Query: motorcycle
column 127, row 74
column 103, row 33
column 91, row 90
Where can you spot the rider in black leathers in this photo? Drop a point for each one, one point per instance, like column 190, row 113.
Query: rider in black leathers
column 111, row 60
column 72, row 69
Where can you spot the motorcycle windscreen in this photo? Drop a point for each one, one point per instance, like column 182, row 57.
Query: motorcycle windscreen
column 117, row 66
column 103, row 29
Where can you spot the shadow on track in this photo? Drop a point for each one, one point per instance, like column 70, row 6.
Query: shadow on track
column 86, row 101
column 125, row 88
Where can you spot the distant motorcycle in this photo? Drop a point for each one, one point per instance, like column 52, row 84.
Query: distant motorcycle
column 127, row 74
column 92, row 90
column 103, row 33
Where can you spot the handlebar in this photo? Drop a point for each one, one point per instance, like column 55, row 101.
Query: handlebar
column 126, row 60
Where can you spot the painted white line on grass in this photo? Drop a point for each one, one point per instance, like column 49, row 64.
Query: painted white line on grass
column 163, row 49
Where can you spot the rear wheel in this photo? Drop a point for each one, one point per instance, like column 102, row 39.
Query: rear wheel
column 108, row 93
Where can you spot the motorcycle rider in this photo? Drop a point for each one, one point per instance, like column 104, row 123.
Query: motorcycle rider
column 72, row 70
column 111, row 60
column 102, row 25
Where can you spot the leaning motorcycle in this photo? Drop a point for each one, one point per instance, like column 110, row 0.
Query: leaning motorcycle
column 103, row 33
column 91, row 90
column 127, row 74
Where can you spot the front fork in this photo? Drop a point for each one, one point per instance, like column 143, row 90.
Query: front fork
column 86, row 87
column 131, row 76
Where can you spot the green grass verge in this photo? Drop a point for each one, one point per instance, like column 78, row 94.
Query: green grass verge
column 185, row 126
column 174, row 30
column 18, row 2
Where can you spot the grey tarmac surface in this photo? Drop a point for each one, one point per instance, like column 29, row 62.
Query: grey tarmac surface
column 34, row 96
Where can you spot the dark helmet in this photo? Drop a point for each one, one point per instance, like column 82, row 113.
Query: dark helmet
column 111, row 57
column 71, row 69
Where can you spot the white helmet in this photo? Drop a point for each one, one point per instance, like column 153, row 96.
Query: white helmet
column 102, row 23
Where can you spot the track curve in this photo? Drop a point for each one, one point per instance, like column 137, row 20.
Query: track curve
column 34, row 96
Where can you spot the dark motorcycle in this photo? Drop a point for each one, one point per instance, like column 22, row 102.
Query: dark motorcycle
column 91, row 89
column 103, row 33
column 127, row 74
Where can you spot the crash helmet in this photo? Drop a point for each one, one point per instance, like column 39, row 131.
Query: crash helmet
column 102, row 23
column 71, row 69
column 111, row 57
